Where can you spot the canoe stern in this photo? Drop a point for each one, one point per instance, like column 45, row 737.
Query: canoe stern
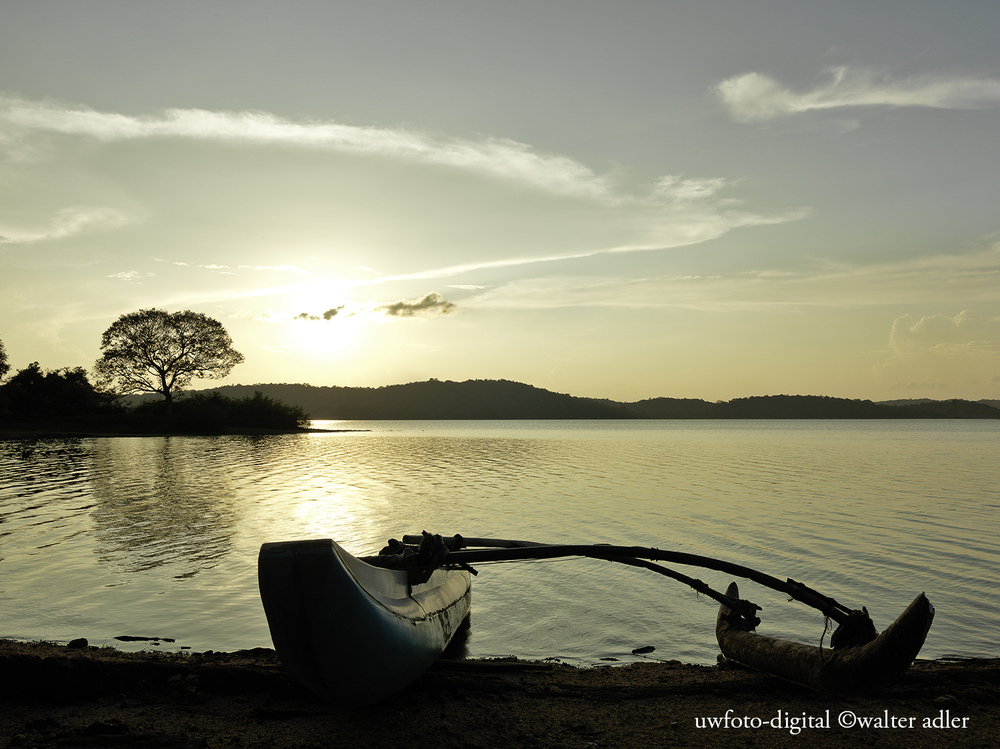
column 350, row 632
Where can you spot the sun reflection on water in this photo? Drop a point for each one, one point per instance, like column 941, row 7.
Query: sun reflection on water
column 100, row 537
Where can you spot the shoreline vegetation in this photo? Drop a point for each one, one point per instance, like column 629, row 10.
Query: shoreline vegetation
column 36, row 404
column 57, row 695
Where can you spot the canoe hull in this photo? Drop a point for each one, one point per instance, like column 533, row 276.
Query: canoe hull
column 861, row 669
column 350, row 632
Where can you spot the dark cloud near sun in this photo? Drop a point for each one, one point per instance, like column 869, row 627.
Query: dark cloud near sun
column 328, row 315
column 429, row 305
column 426, row 306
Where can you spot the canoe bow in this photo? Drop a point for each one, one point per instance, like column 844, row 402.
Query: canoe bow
column 851, row 670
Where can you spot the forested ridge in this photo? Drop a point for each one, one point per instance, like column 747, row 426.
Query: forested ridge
column 504, row 399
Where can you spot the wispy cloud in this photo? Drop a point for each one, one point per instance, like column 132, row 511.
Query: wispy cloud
column 658, row 227
column 672, row 199
column 754, row 97
column 278, row 268
column 497, row 157
column 131, row 276
column 230, row 270
column 65, row 223
column 671, row 211
column 975, row 276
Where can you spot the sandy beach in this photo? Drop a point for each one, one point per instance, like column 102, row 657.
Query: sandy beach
column 53, row 695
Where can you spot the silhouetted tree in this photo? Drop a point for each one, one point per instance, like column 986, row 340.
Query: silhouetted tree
column 155, row 351
column 65, row 394
column 4, row 364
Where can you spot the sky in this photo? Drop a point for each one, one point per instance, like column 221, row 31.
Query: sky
column 711, row 199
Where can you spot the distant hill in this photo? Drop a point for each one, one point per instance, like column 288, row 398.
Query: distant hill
column 503, row 399
column 434, row 399
column 810, row 407
column 951, row 409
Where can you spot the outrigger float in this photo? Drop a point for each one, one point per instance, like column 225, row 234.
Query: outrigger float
column 356, row 630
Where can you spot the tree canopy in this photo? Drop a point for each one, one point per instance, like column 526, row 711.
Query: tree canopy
column 62, row 395
column 155, row 351
column 4, row 364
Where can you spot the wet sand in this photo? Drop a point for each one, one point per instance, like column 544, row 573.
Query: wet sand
column 52, row 695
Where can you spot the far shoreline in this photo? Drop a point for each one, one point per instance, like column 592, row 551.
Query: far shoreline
column 38, row 431
column 25, row 431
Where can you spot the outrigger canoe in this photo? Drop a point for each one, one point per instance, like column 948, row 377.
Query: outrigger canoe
column 352, row 632
column 355, row 631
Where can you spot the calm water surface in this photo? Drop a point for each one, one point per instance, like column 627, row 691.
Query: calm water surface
column 102, row 537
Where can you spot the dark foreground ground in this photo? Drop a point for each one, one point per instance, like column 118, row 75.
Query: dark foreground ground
column 54, row 696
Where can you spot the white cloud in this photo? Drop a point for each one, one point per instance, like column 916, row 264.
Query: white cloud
column 65, row 223
column 935, row 352
column 497, row 157
column 754, row 97
column 677, row 189
column 941, row 335
column 131, row 276
column 672, row 211
column 673, row 200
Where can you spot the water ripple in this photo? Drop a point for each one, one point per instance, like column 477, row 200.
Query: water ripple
column 161, row 534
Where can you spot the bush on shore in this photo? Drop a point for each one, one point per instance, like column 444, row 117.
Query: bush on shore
column 207, row 413
column 65, row 398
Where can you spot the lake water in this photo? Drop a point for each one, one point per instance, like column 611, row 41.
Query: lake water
column 102, row 537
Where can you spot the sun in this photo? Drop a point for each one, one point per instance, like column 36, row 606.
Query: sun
column 325, row 323
column 332, row 335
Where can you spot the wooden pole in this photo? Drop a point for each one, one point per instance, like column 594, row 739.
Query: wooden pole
column 503, row 550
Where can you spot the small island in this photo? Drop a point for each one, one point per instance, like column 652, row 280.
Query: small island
column 149, row 359
column 151, row 352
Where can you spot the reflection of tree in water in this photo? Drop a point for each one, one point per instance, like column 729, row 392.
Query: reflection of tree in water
column 44, row 494
column 163, row 502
